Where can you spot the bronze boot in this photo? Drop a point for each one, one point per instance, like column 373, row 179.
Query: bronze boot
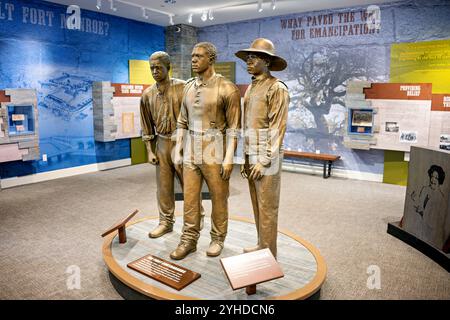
column 160, row 230
column 183, row 250
column 251, row 249
column 215, row 248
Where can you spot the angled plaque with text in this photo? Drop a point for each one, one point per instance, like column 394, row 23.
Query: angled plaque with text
column 249, row 269
column 120, row 226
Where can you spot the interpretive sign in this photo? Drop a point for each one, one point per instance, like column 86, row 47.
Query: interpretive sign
column 117, row 110
column 226, row 69
column 120, row 225
column 403, row 113
column 362, row 118
column 249, row 269
column 164, row 271
column 440, row 122
column 427, row 61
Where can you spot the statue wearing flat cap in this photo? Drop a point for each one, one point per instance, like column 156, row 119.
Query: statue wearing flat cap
column 266, row 104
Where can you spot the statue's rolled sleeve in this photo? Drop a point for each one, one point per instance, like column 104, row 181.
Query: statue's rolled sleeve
column 233, row 113
column 183, row 120
column 147, row 125
column 278, row 103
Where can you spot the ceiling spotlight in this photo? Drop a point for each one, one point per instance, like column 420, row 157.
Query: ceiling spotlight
column 171, row 20
column 99, row 4
column 210, row 15
column 113, row 7
column 260, row 3
column 189, row 20
column 274, row 4
column 144, row 13
column 204, row 16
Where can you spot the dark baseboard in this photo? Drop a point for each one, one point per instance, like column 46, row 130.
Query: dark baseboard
column 436, row 255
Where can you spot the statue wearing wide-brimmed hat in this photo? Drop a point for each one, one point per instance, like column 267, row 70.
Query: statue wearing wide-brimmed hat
column 264, row 48
column 265, row 116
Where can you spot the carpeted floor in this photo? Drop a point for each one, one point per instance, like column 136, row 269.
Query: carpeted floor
column 48, row 227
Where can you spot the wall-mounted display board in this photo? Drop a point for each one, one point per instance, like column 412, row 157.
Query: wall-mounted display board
column 19, row 130
column 424, row 62
column 440, row 122
column 404, row 115
column 417, row 62
column 426, row 219
column 139, row 73
column 117, row 110
column 226, row 69
column 361, row 121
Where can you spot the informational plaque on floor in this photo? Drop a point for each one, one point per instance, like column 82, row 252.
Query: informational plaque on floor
column 251, row 268
column 164, row 271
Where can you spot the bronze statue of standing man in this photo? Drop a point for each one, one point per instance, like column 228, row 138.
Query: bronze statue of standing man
column 160, row 107
column 266, row 105
column 210, row 118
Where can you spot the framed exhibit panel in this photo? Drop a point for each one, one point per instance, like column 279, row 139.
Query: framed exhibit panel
column 19, row 134
column 424, row 61
column 426, row 218
column 126, row 104
column 139, row 72
column 21, row 120
column 440, row 122
column 226, row 69
column 401, row 116
column 117, row 110
column 361, row 121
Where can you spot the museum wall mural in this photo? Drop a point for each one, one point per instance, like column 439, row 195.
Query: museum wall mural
column 325, row 50
column 37, row 50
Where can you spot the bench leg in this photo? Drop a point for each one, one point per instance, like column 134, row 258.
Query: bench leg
column 327, row 173
column 329, row 167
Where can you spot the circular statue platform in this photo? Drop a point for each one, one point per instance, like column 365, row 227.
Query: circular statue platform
column 303, row 266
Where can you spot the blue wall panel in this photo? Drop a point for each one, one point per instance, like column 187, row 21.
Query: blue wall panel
column 37, row 51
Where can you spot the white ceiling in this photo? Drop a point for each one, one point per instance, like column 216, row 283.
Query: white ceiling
column 223, row 11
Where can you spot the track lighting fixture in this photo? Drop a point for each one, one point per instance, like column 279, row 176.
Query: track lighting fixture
column 113, row 7
column 274, row 4
column 204, row 16
column 144, row 13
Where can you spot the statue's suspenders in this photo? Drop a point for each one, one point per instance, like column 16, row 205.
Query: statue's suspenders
column 272, row 81
column 212, row 112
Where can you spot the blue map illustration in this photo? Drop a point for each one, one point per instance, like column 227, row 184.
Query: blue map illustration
column 67, row 96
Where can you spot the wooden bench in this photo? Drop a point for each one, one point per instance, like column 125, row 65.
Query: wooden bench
column 327, row 159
